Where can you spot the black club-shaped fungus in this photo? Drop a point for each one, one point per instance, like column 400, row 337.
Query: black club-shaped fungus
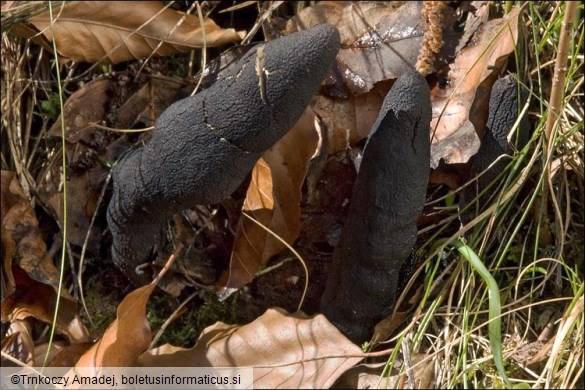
column 380, row 231
column 503, row 112
column 203, row 146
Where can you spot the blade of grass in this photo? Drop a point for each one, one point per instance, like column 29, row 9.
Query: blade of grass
column 289, row 247
column 64, row 180
column 495, row 308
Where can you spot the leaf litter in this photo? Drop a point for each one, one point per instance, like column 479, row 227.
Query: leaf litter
column 379, row 41
column 115, row 32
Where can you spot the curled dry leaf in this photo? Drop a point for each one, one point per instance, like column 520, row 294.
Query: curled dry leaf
column 41, row 351
column 126, row 338
column 364, row 376
column 286, row 350
column 18, row 344
column 119, row 31
column 460, row 109
column 34, row 299
column 32, row 278
column 21, row 235
column 273, row 198
column 68, row 355
column 380, row 41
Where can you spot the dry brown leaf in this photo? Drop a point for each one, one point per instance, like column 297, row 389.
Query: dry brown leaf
column 273, row 199
column 41, row 352
column 119, row 31
column 18, row 343
column 370, row 376
column 460, row 109
column 364, row 376
column 286, row 350
column 9, row 197
column 69, row 355
column 423, row 370
column 146, row 104
column 34, row 299
column 87, row 105
column 126, row 338
column 32, row 278
column 349, row 120
column 380, row 41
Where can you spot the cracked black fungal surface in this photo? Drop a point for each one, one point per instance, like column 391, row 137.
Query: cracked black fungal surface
column 380, row 231
column 203, row 146
column 504, row 108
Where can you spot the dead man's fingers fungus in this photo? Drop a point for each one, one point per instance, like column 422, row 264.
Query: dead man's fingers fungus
column 203, row 146
column 380, row 231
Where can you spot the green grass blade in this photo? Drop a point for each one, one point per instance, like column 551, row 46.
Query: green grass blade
column 495, row 308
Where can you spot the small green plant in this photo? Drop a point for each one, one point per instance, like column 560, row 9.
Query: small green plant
column 50, row 106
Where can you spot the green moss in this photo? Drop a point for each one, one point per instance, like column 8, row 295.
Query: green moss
column 201, row 312
column 101, row 302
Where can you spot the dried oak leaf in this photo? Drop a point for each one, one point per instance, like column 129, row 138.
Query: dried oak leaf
column 273, row 198
column 286, row 350
column 115, row 32
column 460, row 109
column 32, row 277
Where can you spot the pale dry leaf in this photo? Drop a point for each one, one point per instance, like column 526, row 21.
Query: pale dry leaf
column 114, row 32
column 126, row 338
column 459, row 110
column 286, row 350
column 273, row 198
